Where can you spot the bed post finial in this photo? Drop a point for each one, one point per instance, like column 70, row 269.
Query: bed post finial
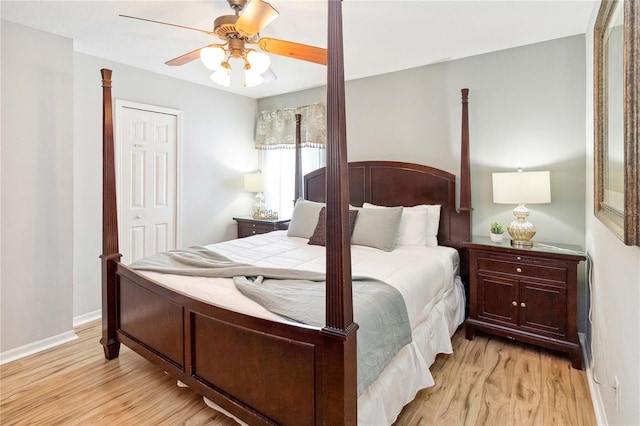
column 110, row 256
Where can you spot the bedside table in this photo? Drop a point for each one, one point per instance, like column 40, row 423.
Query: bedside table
column 525, row 294
column 248, row 226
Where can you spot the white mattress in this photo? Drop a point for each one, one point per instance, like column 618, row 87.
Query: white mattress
column 425, row 276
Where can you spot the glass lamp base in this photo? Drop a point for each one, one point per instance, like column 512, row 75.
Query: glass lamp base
column 521, row 230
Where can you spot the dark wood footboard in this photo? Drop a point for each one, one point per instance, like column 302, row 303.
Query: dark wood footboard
column 263, row 372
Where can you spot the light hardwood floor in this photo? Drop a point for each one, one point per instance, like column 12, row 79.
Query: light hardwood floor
column 487, row 381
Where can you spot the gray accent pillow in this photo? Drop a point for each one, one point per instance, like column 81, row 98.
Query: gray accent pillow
column 377, row 228
column 304, row 218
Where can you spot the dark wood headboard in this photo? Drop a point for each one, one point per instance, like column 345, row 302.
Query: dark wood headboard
column 392, row 183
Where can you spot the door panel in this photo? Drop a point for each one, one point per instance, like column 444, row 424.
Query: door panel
column 495, row 299
column 548, row 304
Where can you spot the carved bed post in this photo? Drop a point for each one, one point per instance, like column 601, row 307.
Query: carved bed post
column 465, row 174
column 110, row 255
column 298, row 170
column 463, row 227
column 340, row 380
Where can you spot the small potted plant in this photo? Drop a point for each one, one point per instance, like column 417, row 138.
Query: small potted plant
column 496, row 232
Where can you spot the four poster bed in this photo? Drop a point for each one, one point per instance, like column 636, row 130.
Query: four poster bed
column 263, row 368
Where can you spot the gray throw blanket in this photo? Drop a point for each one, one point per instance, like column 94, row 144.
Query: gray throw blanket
column 379, row 309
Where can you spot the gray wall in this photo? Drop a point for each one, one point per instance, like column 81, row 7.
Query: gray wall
column 526, row 110
column 37, row 185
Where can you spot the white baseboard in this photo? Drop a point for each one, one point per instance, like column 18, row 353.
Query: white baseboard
column 49, row 342
column 594, row 390
column 40, row 345
column 88, row 317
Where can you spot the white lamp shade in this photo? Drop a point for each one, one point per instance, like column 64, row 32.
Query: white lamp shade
column 522, row 188
column 222, row 77
column 251, row 78
column 259, row 62
column 253, row 182
column 212, row 57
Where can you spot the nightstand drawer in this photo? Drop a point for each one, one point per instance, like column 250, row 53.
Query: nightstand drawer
column 248, row 226
column 523, row 266
column 246, row 229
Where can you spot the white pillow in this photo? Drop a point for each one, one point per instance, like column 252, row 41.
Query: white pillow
column 418, row 225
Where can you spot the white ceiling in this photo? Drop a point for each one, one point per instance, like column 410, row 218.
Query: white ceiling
column 379, row 36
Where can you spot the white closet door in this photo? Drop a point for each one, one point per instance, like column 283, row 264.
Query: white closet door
column 147, row 201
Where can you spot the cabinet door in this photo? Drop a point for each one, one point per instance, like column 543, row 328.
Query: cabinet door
column 543, row 307
column 497, row 299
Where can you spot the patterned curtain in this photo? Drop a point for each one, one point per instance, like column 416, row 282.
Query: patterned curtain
column 276, row 129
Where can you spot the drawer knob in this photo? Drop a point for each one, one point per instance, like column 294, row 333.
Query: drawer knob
column 523, row 305
column 253, row 232
column 518, row 269
column 519, row 258
column 514, row 303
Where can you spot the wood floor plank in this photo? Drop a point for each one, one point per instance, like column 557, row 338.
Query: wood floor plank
column 488, row 381
column 527, row 386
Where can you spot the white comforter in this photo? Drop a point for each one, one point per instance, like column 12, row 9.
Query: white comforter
column 425, row 276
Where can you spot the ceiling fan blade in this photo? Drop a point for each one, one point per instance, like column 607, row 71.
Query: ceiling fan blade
column 171, row 25
column 257, row 15
column 188, row 57
column 293, row 50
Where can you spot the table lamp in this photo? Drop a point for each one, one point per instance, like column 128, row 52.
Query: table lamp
column 253, row 182
column 521, row 188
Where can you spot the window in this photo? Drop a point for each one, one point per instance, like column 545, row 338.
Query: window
column 275, row 139
column 278, row 168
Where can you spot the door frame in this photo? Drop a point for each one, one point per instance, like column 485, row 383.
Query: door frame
column 120, row 104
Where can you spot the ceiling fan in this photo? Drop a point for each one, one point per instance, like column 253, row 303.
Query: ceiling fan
column 239, row 31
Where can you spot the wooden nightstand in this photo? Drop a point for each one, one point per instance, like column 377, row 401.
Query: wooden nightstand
column 525, row 294
column 248, row 226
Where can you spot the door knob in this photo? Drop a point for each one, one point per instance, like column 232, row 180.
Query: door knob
column 139, row 216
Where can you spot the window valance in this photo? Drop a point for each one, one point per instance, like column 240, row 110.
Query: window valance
column 277, row 129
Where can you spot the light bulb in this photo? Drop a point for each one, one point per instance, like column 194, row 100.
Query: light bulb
column 212, row 57
column 260, row 62
column 222, row 77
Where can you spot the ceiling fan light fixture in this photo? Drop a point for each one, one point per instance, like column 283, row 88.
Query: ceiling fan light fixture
column 237, row 31
column 260, row 62
column 212, row 57
column 252, row 78
column 222, row 77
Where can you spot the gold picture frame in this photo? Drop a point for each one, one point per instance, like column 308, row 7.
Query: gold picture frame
column 617, row 181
